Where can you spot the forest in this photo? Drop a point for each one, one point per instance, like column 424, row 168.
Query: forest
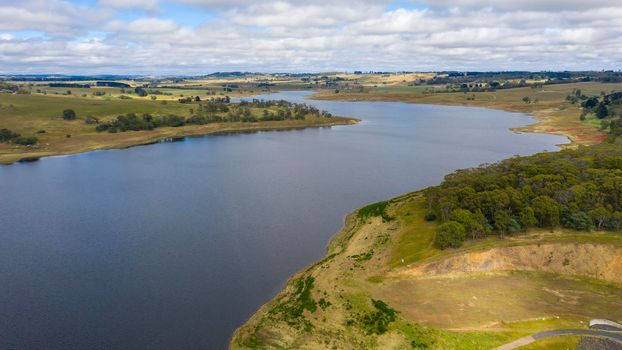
column 579, row 189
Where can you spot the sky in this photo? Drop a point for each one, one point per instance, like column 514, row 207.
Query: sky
column 193, row 37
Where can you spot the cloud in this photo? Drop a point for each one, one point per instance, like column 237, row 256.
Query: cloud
column 529, row 5
column 55, row 17
column 310, row 14
column 311, row 35
column 147, row 5
column 248, row 3
column 151, row 26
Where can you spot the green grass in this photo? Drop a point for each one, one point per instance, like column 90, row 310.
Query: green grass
column 38, row 111
column 415, row 238
column 591, row 119
column 430, row 338
column 568, row 342
column 31, row 114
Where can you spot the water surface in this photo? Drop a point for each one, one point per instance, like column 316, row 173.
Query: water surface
column 174, row 245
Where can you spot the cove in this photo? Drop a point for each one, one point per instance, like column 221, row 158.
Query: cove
column 174, row 245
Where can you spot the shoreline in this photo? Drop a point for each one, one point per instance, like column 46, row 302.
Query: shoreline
column 338, row 243
column 149, row 138
column 270, row 328
column 545, row 117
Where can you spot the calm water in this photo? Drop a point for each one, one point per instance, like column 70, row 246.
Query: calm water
column 173, row 245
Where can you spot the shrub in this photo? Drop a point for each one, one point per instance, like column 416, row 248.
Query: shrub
column 430, row 215
column 449, row 235
column 25, row 141
column 377, row 322
column 69, row 114
column 7, row 135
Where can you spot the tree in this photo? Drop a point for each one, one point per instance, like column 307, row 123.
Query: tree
column 140, row 92
column 475, row 225
column 599, row 215
column 7, row 135
column 614, row 221
column 546, row 211
column 527, row 217
column 601, row 111
column 505, row 223
column 449, row 235
column 69, row 114
column 579, row 221
column 590, row 103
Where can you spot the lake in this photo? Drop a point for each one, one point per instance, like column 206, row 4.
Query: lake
column 174, row 245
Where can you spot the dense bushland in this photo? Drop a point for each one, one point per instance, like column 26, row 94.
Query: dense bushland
column 579, row 189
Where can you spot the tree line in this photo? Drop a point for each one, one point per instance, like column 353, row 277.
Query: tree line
column 214, row 111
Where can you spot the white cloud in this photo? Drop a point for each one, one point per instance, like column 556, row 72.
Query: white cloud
column 311, row 35
column 526, row 5
column 152, row 26
column 147, row 5
column 55, row 17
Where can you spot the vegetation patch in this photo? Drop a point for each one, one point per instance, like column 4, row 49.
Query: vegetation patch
column 363, row 256
column 324, row 303
column 378, row 321
column 375, row 210
column 292, row 309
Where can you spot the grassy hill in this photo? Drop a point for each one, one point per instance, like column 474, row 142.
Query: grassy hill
column 331, row 303
column 385, row 283
column 34, row 112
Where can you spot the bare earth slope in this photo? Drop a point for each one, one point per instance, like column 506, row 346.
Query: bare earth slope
column 591, row 260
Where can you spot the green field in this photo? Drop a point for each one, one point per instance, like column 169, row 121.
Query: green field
column 39, row 114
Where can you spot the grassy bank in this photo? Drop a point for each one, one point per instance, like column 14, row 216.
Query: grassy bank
column 40, row 115
column 547, row 103
column 369, row 260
